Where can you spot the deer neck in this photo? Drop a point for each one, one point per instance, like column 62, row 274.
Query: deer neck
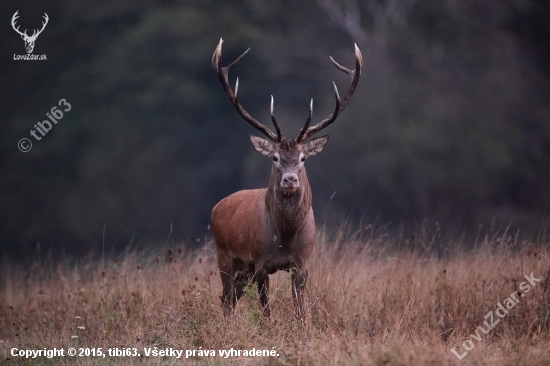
column 288, row 211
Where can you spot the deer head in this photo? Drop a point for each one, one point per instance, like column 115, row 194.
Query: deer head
column 288, row 158
column 288, row 155
column 29, row 40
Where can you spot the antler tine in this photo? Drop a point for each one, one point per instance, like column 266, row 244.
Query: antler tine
column 277, row 128
column 14, row 18
column 223, row 73
column 307, row 132
column 308, row 121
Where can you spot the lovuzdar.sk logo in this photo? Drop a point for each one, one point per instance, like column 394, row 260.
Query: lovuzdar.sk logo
column 29, row 40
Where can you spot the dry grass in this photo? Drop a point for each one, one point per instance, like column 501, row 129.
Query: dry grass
column 371, row 300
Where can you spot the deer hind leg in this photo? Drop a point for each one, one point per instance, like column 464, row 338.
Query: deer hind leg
column 299, row 278
column 229, row 270
column 262, row 280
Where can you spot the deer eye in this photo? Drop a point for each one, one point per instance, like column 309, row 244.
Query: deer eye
column 275, row 158
column 303, row 159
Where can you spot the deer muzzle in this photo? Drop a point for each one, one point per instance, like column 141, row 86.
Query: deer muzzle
column 290, row 181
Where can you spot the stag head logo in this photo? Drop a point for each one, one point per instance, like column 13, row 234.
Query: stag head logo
column 29, row 40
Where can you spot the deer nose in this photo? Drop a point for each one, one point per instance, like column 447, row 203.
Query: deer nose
column 290, row 181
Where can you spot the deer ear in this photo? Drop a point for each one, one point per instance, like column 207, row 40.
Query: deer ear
column 316, row 145
column 262, row 145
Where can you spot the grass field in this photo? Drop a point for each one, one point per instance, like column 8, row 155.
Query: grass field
column 372, row 299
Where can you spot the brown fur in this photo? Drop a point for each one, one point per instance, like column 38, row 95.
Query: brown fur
column 260, row 231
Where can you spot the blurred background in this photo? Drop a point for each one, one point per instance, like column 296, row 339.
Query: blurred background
column 450, row 122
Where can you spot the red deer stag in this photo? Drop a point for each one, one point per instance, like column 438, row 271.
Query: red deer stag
column 261, row 231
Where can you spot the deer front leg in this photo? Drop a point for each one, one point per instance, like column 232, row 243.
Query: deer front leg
column 228, row 293
column 299, row 278
column 262, row 280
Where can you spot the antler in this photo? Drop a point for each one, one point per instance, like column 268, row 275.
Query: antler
column 37, row 33
column 307, row 131
column 13, row 19
column 233, row 96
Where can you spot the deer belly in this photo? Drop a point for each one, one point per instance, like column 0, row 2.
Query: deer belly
column 242, row 255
